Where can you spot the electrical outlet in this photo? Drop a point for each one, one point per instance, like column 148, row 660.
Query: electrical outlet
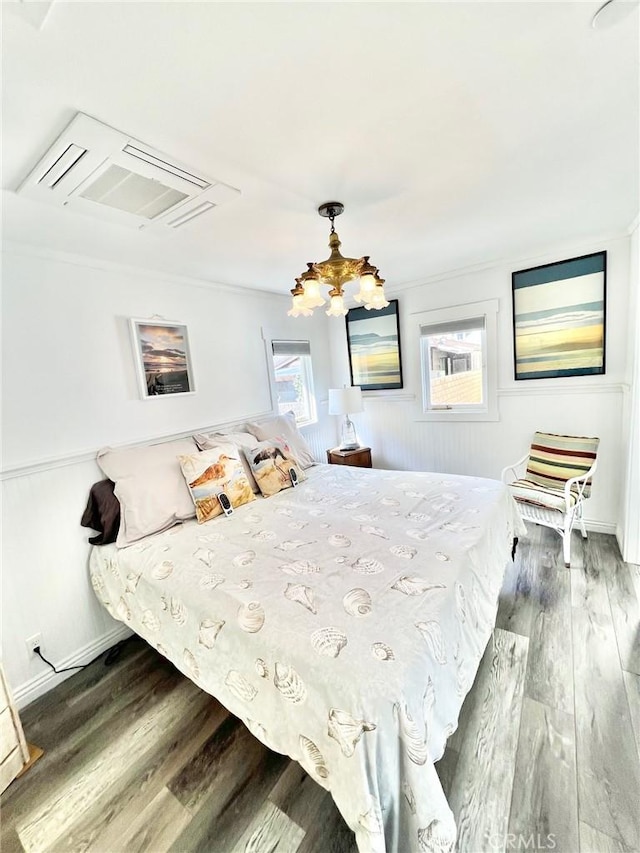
column 34, row 642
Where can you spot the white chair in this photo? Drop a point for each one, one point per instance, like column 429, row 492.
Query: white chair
column 552, row 481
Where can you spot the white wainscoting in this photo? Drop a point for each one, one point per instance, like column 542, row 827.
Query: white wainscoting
column 69, row 387
column 400, row 440
column 393, row 423
column 46, row 588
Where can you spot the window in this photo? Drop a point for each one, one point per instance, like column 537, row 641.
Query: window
column 453, row 360
column 294, row 379
column 458, row 358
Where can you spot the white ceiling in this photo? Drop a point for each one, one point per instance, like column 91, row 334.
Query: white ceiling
column 455, row 133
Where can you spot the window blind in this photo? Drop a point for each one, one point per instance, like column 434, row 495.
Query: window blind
column 291, row 347
column 453, row 326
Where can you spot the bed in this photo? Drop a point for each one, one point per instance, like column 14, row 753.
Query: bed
column 342, row 620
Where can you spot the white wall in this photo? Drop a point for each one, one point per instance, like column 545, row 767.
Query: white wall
column 629, row 532
column 69, row 387
column 589, row 405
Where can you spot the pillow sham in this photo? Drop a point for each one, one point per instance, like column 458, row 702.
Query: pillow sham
column 284, row 428
column 213, row 471
column 150, row 487
column 240, row 439
column 102, row 513
column 270, row 462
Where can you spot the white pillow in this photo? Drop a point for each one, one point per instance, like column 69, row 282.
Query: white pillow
column 150, row 487
column 284, row 427
column 240, row 439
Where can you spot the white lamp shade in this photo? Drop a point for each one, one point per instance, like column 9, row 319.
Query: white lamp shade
column 345, row 401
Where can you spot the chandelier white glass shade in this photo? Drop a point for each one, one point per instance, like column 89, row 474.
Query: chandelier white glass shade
column 334, row 273
column 345, row 401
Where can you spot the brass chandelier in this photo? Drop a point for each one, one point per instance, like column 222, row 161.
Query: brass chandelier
column 334, row 273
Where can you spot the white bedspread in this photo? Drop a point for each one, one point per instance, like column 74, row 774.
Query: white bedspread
column 343, row 621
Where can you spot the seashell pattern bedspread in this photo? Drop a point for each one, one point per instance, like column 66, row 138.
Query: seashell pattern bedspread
column 343, row 621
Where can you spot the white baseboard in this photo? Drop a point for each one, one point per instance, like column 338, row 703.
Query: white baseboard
column 600, row 526
column 48, row 679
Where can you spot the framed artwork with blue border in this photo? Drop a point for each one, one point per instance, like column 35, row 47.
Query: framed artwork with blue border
column 559, row 314
column 373, row 341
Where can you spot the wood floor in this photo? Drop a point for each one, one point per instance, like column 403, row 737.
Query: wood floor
column 546, row 756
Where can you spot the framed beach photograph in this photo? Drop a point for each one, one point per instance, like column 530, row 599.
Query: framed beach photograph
column 559, row 313
column 373, row 340
column 163, row 359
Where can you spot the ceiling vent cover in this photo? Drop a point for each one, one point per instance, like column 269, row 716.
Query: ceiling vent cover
column 96, row 170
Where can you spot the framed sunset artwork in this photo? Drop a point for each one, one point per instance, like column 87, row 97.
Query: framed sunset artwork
column 163, row 359
column 373, row 341
column 559, row 313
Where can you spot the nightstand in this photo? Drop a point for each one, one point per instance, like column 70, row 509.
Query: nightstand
column 359, row 458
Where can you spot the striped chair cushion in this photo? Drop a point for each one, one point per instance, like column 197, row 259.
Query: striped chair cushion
column 528, row 492
column 554, row 459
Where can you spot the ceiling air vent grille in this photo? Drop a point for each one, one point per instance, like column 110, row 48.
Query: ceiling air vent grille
column 121, row 189
column 167, row 167
column 96, row 170
column 66, row 161
column 187, row 217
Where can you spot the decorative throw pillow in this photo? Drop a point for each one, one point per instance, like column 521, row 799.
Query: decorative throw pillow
column 213, row 471
column 271, row 462
column 240, row 439
column 284, row 428
column 150, row 487
column 102, row 513
column 554, row 459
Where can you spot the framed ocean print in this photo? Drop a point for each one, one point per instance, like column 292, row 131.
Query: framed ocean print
column 559, row 313
column 163, row 359
column 373, row 341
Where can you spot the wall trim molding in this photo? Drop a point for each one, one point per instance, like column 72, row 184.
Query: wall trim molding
column 14, row 247
column 77, row 457
column 389, row 396
column 48, row 679
column 87, row 261
column 577, row 247
column 564, row 388
column 539, row 390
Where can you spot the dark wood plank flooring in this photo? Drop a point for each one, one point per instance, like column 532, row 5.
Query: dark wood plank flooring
column 546, row 756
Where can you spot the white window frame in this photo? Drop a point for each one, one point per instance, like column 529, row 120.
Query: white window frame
column 302, row 349
column 488, row 409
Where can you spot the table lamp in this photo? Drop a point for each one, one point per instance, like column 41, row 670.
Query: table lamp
column 345, row 401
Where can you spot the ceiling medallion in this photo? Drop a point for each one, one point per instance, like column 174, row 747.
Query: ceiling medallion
column 334, row 273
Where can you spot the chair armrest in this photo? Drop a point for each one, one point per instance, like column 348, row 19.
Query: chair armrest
column 512, row 468
column 583, row 478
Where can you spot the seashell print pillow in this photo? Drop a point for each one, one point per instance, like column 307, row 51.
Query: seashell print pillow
column 212, row 471
column 270, row 462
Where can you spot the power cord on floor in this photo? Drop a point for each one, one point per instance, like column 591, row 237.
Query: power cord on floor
column 111, row 657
